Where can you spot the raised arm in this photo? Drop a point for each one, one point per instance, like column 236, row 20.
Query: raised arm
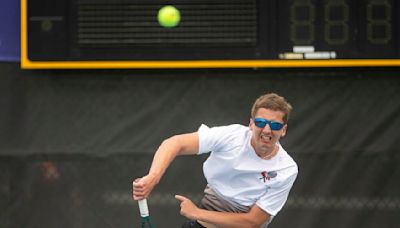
column 185, row 144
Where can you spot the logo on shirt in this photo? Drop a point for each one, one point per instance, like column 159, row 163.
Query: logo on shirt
column 268, row 175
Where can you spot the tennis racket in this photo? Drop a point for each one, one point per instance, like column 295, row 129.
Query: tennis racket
column 144, row 213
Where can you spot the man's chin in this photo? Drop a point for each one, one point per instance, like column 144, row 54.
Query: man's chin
column 265, row 144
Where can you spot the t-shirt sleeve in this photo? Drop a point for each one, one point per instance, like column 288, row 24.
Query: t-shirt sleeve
column 217, row 138
column 276, row 196
column 208, row 138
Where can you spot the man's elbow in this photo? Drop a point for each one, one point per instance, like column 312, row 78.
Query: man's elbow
column 170, row 144
column 255, row 224
column 185, row 144
column 256, row 221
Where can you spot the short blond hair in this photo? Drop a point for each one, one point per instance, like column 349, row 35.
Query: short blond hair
column 273, row 102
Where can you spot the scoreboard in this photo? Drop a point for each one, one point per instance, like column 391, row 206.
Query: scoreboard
column 349, row 29
column 211, row 34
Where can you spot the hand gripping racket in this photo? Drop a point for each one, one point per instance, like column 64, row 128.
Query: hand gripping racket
column 144, row 213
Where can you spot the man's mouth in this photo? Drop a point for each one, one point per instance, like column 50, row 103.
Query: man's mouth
column 266, row 138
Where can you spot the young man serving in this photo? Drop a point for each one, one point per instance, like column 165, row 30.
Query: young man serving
column 249, row 173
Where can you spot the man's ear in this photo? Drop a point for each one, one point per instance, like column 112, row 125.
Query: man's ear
column 284, row 130
column 250, row 124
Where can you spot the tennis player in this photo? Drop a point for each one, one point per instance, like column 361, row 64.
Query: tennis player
column 249, row 173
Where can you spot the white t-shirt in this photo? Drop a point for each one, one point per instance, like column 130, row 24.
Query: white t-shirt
column 235, row 172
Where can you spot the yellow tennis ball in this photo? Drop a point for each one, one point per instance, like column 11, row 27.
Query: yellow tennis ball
column 168, row 16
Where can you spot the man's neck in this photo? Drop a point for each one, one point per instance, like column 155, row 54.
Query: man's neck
column 268, row 155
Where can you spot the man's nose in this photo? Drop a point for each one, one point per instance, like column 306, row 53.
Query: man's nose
column 267, row 128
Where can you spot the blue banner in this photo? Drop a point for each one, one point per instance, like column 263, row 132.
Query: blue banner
column 10, row 30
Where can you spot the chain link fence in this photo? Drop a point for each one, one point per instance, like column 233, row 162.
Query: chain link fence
column 84, row 191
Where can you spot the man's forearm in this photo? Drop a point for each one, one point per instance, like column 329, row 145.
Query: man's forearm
column 165, row 154
column 163, row 157
column 170, row 148
column 227, row 219
column 142, row 187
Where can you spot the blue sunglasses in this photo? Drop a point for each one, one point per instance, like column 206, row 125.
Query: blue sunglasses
column 261, row 123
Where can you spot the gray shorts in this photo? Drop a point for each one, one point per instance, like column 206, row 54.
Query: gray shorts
column 214, row 202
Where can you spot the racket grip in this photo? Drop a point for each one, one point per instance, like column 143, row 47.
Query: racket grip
column 143, row 208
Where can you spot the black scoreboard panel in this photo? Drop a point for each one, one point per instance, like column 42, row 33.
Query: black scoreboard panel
column 212, row 33
column 353, row 29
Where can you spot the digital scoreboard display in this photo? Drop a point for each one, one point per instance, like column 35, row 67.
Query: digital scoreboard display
column 339, row 29
column 210, row 34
